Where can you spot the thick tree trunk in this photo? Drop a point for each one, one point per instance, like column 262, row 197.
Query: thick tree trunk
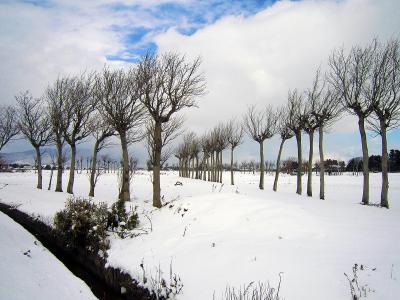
column 385, row 179
column 299, row 162
column 39, row 168
column 70, row 187
column 278, row 165
column 321, row 164
column 309, row 165
column 232, row 179
column 124, row 194
column 261, row 184
column 361, row 126
column 59, row 167
column 157, row 165
column 93, row 169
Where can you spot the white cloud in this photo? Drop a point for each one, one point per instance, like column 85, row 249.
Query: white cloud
column 246, row 60
column 256, row 59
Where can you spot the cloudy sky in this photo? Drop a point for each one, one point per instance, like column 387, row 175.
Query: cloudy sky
column 252, row 51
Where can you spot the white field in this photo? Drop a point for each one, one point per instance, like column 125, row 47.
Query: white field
column 238, row 234
column 30, row 271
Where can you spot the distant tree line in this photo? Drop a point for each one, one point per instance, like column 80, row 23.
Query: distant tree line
column 364, row 82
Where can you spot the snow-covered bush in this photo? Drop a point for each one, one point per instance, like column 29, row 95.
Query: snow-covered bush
column 83, row 224
column 120, row 220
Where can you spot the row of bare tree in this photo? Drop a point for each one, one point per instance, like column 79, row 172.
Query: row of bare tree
column 133, row 104
column 201, row 157
column 364, row 82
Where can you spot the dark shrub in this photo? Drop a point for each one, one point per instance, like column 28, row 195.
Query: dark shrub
column 83, row 224
column 120, row 221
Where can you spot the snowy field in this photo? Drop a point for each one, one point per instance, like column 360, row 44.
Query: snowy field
column 30, row 271
column 217, row 235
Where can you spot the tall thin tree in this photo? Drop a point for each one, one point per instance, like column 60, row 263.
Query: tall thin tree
column 313, row 96
column 285, row 133
column 101, row 132
column 168, row 84
column 235, row 133
column 56, row 97
column 348, row 77
column 260, row 125
column 119, row 96
column 35, row 126
column 76, row 125
column 383, row 92
column 296, row 119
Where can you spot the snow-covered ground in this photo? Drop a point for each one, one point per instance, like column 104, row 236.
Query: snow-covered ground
column 216, row 235
column 30, row 271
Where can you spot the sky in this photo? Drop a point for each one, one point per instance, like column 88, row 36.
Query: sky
column 252, row 52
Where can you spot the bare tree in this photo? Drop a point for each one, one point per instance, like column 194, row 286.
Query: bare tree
column 260, row 125
column 296, row 119
column 34, row 125
column 348, row 77
column 383, row 92
column 119, row 96
column 285, row 134
column 235, row 138
column 8, row 124
column 313, row 95
column 76, row 126
column 325, row 110
column 101, row 132
column 168, row 84
column 56, row 96
column 220, row 143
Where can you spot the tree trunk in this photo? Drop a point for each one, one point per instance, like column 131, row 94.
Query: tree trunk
column 59, row 166
column 157, row 165
column 278, row 164
column 299, row 162
column 321, row 164
column 51, row 178
column 124, row 193
column 39, row 167
column 70, row 187
column 232, row 179
column 385, row 179
column 261, row 184
column 197, row 167
column 309, row 165
column 361, row 126
column 93, row 169
column 221, row 167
